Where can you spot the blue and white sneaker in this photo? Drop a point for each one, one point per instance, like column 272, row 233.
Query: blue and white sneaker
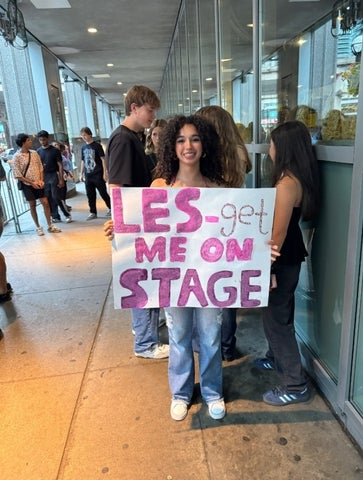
column 264, row 364
column 279, row 397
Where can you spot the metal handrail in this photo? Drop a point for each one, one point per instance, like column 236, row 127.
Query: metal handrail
column 13, row 201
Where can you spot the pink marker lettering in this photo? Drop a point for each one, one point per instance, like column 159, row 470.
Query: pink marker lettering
column 182, row 199
column 211, row 250
column 234, row 251
column 246, row 288
column 165, row 275
column 191, row 284
column 177, row 252
column 158, row 248
column 119, row 225
column 150, row 214
column 130, row 279
column 230, row 291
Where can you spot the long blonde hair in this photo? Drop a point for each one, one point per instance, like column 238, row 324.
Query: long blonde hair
column 236, row 162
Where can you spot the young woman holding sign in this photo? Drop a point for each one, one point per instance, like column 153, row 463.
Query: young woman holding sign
column 296, row 182
column 189, row 156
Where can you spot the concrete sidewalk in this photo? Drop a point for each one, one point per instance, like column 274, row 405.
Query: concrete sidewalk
column 76, row 404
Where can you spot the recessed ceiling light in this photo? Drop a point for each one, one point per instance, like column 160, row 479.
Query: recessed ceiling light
column 194, row 91
column 64, row 50
column 110, row 65
column 209, row 79
column 101, row 75
column 92, row 30
column 226, row 59
column 250, row 25
column 119, row 83
column 51, row 3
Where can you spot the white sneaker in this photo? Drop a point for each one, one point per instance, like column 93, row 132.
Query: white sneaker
column 40, row 231
column 217, row 409
column 69, row 219
column 91, row 216
column 156, row 351
column 108, row 213
column 178, row 410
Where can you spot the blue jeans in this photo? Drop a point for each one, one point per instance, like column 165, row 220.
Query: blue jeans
column 229, row 327
column 181, row 358
column 145, row 323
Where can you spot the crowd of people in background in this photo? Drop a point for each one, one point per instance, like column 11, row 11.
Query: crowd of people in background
column 201, row 150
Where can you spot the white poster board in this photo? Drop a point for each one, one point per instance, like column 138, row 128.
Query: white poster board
column 194, row 247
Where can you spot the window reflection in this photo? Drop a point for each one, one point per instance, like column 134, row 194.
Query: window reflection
column 314, row 78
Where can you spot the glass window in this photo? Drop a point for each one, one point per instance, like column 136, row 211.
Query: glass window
column 320, row 293
column 193, row 48
column 208, row 53
column 236, row 53
column 357, row 385
column 310, row 72
column 184, row 62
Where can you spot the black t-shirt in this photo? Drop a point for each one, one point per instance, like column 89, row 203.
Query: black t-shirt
column 50, row 157
column 126, row 159
column 92, row 154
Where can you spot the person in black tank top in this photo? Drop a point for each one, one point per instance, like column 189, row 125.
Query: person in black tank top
column 296, row 182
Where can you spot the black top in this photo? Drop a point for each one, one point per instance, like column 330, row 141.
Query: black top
column 151, row 160
column 92, row 154
column 50, row 157
column 293, row 250
column 126, row 159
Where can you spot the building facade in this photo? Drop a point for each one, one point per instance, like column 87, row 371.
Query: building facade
column 265, row 61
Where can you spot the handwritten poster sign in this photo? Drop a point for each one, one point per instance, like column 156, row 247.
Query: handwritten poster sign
column 196, row 247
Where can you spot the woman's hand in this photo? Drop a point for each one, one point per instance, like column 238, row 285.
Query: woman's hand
column 274, row 251
column 38, row 184
column 108, row 229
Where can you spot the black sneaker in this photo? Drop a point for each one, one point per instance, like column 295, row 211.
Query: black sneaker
column 5, row 297
column 279, row 397
column 264, row 364
column 1, row 334
column 228, row 357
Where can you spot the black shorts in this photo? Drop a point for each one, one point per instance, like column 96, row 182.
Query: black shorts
column 31, row 193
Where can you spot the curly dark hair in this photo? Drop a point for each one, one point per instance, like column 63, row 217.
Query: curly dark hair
column 21, row 138
column 210, row 162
